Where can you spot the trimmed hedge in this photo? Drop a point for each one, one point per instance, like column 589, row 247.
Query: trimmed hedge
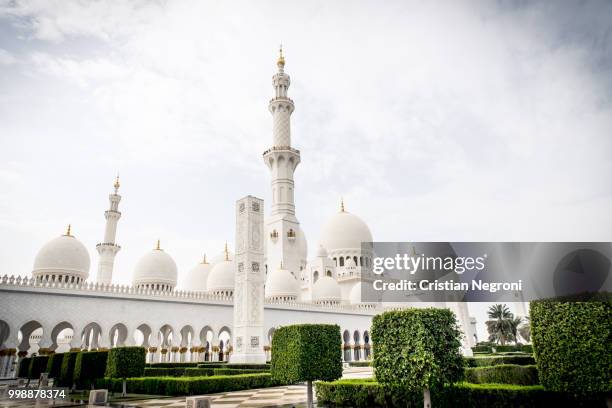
column 89, row 366
column 503, row 374
column 125, row 362
column 164, row 372
column 572, row 342
column 54, row 366
column 23, row 371
column 235, row 366
column 306, row 352
column 180, row 386
column 417, row 348
column 198, row 372
column 67, row 372
column 172, row 365
column 525, row 348
column 38, row 365
column 368, row 394
column 493, row 361
column 237, row 371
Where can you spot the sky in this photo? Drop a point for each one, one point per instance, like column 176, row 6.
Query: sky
column 436, row 121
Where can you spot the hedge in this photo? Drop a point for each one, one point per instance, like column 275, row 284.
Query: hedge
column 198, row 372
column 172, row 365
column 67, row 372
column 89, row 366
column 417, row 349
column 238, row 371
column 23, row 370
column 306, row 352
column 503, row 374
column 38, row 365
column 572, row 343
column 235, row 366
column 180, row 386
column 164, row 372
column 524, row 348
column 125, row 362
column 492, row 361
column 367, row 393
column 54, row 366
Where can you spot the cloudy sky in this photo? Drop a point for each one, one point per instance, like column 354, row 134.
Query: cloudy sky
column 450, row 121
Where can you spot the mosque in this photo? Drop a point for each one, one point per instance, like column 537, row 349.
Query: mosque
column 60, row 307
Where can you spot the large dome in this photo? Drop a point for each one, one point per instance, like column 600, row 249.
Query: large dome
column 64, row 259
column 326, row 290
column 344, row 231
column 281, row 285
column 156, row 270
column 197, row 277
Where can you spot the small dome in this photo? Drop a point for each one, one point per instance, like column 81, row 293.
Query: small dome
column 345, row 231
column 64, row 256
column 321, row 252
column 156, row 270
column 221, row 277
column 197, row 277
column 326, row 290
column 281, row 284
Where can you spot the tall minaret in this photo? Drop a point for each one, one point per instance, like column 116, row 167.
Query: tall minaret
column 108, row 249
column 282, row 159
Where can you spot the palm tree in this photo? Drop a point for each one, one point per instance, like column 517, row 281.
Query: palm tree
column 514, row 327
column 500, row 326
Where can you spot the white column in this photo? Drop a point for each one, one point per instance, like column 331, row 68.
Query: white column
column 248, row 332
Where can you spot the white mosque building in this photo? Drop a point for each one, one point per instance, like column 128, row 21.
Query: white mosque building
column 62, row 307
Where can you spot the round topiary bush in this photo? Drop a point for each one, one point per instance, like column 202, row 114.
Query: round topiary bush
column 572, row 343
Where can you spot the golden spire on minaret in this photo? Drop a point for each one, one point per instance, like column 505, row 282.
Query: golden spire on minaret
column 342, row 204
column 67, row 234
column 226, row 252
column 281, row 58
column 158, row 248
column 117, row 184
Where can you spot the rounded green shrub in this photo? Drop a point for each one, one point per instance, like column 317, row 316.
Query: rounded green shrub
column 572, row 343
column 38, row 365
column 54, row 366
column 125, row 362
column 67, row 371
column 417, row 348
column 89, row 366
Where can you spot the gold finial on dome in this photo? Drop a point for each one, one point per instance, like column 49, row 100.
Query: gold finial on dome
column 158, row 248
column 117, row 184
column 226, row 252
column 342, row 205
column 67, row 234
column 204, row 259
column 281, row 58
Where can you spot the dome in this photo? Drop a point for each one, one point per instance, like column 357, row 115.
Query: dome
column 221, row 276
column 326, row 289
column 363, row 293
column 345, row 231
column 281, row 284
column 321, row 252
column 156, row 270
column 197, row 277
column 355, row 294
column 64, row 256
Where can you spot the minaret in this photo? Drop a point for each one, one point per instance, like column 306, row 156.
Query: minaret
column 282, row 160
column 108, row 249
